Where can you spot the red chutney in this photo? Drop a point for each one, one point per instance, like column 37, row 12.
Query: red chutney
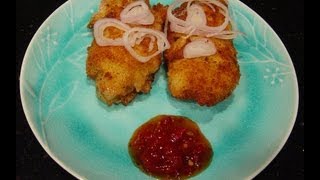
column 170, row 147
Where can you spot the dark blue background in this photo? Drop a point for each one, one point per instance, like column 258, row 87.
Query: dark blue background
column 286, row 17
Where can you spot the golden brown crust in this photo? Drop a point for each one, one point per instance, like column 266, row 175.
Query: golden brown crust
column 119, row 76
column 207, row 80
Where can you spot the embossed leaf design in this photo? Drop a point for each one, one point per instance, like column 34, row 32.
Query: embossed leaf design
column 58, row 46
column 253, row 43
column 62, row 96
column 255, row 46
column 78, row 58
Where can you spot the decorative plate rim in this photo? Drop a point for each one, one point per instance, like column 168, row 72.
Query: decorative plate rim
column 76, row 175
column 23, row 101
column 295, row 106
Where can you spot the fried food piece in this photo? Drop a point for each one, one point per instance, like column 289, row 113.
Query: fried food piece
column 119, row 76
column 207, row 80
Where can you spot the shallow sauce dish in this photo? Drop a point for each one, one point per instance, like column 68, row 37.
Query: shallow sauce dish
column 89, row 139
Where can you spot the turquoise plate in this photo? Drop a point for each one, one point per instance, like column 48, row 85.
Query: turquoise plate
column 89, row 139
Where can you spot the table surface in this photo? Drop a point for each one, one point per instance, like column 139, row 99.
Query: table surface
column 286, row 17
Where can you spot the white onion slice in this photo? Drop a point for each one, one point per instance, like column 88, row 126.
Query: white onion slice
column 225, row 34
column 101, row 25
column 130, row 36
column 181, row 28
column 174, row 20
column 137, row 12
column 138, row 37
column 147, row 20
column 196, row 15
column 198, row 48
column 210, row 5
column 166, row 27
column 196, row 23
column 152, row 41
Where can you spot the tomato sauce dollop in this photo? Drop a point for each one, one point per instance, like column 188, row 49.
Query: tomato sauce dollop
column 170, row 147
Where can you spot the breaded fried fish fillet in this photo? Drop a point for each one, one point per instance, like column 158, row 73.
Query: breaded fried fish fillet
column 206, row 80
column 118, row 75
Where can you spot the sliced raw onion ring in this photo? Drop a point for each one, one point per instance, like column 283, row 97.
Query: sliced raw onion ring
column 225, row 34
column 137, row 12
column 138, row 37
column 130, row 36
column 196, row 15
column 198, row 48
column 101, row 25
column 197, row 26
